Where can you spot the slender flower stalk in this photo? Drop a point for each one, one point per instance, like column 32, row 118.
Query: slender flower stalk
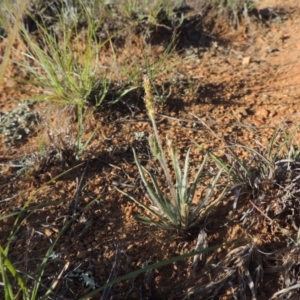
column 156, row 147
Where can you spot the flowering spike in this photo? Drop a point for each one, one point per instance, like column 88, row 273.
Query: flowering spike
column 148, row 96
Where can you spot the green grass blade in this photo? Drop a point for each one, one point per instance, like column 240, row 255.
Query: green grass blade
column 5, row 262
column 8, row 292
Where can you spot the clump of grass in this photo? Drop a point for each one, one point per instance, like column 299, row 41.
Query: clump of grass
column 6, row 267
column 56, row 65
column 66, row 69
column 234, row 9
column 174, row 211
column 64, row 63
column 155, row 12
column 270, row 172
column 241, row 267
column 269, row 180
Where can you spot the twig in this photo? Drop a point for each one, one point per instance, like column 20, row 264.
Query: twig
column 55, row 282
column 8, row 199
column 273, row 222
column 113, row 273
column 79, row 187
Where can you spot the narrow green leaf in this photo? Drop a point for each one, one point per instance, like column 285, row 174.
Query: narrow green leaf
column 178, row 176
column 147, row 208
column 158, row 224
column 193, row 187
column 159, row 202
column 7, row 263
column 203, row 202
column 8, row 292
column 198, row 217
column 163, row 203
column 184, row 185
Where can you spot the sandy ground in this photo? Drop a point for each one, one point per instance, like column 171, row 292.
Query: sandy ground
column 242, row 87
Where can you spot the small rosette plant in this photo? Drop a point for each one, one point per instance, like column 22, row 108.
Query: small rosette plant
column 175, row 210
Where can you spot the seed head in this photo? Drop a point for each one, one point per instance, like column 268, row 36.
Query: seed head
column 148, row 96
